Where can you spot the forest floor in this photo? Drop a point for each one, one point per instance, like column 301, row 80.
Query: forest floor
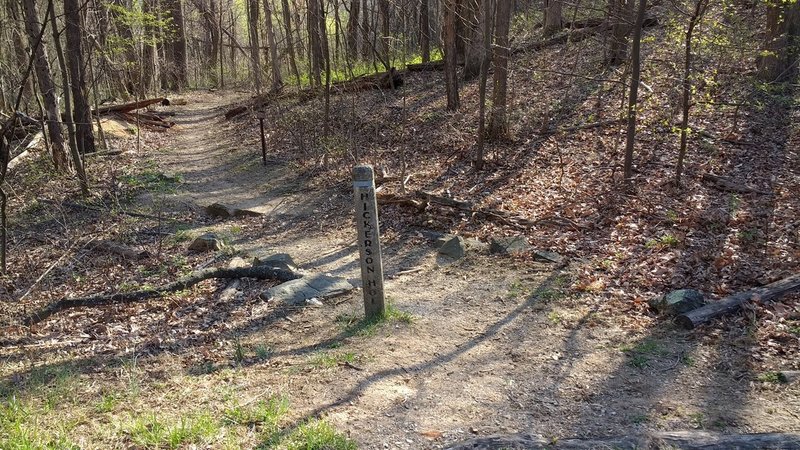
column 483, row 345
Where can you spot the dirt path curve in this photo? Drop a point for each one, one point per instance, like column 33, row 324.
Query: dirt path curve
column 219, row 165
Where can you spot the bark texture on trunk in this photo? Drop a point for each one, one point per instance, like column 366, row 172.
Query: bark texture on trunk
column 47, row 88
column 498, row 125
column 81, row 116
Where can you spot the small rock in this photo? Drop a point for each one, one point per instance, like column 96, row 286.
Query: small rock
column 474, row 244
column 238, row 263
column 218, row 210
column 545, row 256
column 280, row 261
column 453, row 247
column 678, row 302
column 513, row 245
column 313, row 302
column 205, row 242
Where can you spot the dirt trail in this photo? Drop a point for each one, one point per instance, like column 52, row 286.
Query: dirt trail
column 218, row 165
column 493, row 346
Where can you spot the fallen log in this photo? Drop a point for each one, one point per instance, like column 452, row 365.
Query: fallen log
column 122, row 250
column 258, row 272
column 574, row 36
column 133, row 106
column 727, row 184
column 686, row 440
column 732, row 303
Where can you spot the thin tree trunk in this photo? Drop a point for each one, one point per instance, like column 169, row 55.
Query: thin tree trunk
column 47, row 88
column 699, row 9
column 287, row 24
column 366, row 48
column 384, row 8
column 498, row 125
column 277, row 81
column 315, row 41
column 450, row 60
column 633, row 97
column 487, row 45
column 81, row 115
column 252, row 25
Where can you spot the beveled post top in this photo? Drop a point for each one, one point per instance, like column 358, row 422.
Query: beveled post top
column 363, row 172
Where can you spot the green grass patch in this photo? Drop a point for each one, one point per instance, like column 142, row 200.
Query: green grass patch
column 663, row 242
column 152, row 180
column 354, row 325
column 642, row 353
column 318, row 435
column 152, row 432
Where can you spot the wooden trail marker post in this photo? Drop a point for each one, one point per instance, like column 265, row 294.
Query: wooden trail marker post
column 260, row 117
column 369, row 247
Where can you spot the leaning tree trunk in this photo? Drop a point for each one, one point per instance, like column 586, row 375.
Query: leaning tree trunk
column 699, row 9
column 498, row 125
column 81, row 115
column 633, row 97
column 287, row 24
column 47, row 87
column 450, row 61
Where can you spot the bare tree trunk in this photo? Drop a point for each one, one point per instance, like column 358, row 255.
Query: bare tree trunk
column 315, row 41
column 487, row 45
column 277, row 82
column 252, row 25
column 178, row 78
column 779, row 58
column 287, row 24
column 552, row 17
column 475, row 23
column 450, row 60
column 699, row 10
column 633, row 97
column 384, row 9
column 425, row 31
column 81, row 114
column 498, row 125
column 620, row 12
column 47, row 87
column 18, row 44
column 352, row 29
column 366, row 48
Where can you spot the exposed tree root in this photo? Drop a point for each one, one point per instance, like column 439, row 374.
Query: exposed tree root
column 258, row 272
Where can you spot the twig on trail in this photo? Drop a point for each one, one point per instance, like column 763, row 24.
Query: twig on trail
column 350, row 365
column 98, row 209
column 259, row 272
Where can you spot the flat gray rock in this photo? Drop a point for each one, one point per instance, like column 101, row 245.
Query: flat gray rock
column 512, row 245
column 296, row 292
column 545, row 256
column 246, row 213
